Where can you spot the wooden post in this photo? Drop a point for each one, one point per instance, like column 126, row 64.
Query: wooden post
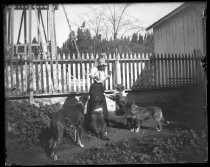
column 12, row 43
column 31, row 98
column 25, row 30
column 118, row 72
column 5, row 32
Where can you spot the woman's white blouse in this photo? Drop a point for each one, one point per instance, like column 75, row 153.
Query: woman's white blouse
column 100, row 76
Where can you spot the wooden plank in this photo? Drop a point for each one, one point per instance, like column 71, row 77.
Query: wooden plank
column 169, row 69
column 145, row 71
column 64, row 74
column 131, row 71
column 78, row 76
column 141, row 70
column 174, row 70
column 37, row 75
column 107, row 84
column 123, row 70
column 26, row 74
column 193, row 69
column 158, row 69
column 42, row 77
column 127, row 73
column 177, row 68
column 188, row 71
column 12, row 42
column 67, row 74
column 161, row 71
column 150, row 71
column 135, row 70
column 83, row 73
column 88, row 72
column 154, row 70
column 166, row 71
column 74, row 74
column 112, row 69
column 48, row 74
column 181, row 69
column 59, row 88
column 17, row 75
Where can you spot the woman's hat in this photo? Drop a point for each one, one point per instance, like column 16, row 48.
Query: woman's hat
column 102, row 60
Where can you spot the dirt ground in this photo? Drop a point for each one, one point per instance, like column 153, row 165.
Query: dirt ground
column 184, row 140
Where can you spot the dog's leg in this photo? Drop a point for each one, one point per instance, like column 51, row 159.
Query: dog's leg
column 159, row 126
column 132, row 124
column 59, row 131
column 79, row 135
column 136, row 125
column 75, row 135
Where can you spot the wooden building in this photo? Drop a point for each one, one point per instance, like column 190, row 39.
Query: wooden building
column 183, row 31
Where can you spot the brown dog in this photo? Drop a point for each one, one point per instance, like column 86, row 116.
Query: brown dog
column 139, row 114
column 135, row 114
column 71, row 113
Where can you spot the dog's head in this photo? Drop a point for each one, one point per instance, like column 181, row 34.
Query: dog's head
column 97, row 104
column 120, row 89
column 84, row 99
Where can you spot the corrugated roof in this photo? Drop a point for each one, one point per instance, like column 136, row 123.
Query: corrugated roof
column 168, row 16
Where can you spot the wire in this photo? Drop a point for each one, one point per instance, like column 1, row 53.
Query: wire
column 71, row 31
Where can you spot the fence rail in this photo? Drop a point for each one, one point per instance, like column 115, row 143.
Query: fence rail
column 71, row 74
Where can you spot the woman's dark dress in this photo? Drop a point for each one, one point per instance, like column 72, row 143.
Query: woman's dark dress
column 96, row 89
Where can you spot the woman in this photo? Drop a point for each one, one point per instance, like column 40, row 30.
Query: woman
column 99, row 75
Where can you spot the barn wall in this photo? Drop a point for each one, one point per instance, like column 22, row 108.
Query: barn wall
column 182, row 33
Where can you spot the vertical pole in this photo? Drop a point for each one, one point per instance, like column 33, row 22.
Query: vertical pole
column 118, row 72
column 25, row 30
column 54, row 37
column 5, row 31
column 31, row 98
column 11, row 42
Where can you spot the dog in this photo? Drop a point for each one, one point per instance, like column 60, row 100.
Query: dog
column 136, row 114
column 96, row 121
column 72, row 113
column 139, row 114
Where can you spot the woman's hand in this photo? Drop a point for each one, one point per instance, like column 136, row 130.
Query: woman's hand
column 96, row 78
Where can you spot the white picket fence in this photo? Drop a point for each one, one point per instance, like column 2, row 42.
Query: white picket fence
column 71, row 74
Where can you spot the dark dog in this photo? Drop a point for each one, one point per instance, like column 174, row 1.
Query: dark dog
column 134, row 113
column 97, row 119
column 71, row 114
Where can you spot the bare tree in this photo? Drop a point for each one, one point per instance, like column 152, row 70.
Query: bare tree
column 112, row 21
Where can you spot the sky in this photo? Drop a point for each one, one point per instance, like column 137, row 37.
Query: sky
column 145, row 13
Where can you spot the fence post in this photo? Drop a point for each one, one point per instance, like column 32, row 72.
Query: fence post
column 117, row 72
column 30, row 56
